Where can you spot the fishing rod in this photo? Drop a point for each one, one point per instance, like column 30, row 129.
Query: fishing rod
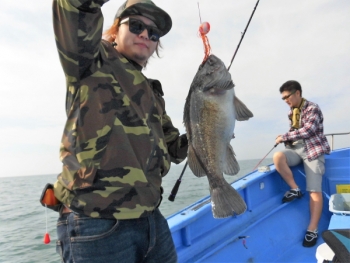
column 177, row 185
column 265, row 156
column 178, row 182
column 243, row 35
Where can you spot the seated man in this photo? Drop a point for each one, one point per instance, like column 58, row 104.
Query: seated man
column 305, row 142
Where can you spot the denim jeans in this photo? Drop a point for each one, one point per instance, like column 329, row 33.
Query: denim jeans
column 86, row 239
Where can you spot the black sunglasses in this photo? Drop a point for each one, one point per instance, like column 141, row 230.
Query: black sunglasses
column 287, row 96
column 137, row 27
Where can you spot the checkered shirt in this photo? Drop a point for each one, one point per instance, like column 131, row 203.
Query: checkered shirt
column 311, row 131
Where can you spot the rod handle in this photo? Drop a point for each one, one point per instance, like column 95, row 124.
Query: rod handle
column 174, row 191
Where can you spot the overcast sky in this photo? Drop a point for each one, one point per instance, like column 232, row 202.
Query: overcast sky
column 308, row 41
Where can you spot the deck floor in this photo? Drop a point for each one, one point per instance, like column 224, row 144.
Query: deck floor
column 275, row 231
column 276, row 239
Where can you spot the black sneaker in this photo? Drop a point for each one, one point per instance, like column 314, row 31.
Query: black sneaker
column 310, row 239
column 291, row 195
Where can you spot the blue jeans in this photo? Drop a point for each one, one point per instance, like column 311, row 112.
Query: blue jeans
column 86, row 239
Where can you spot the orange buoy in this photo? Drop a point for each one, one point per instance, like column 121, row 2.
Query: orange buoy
column 47, row 238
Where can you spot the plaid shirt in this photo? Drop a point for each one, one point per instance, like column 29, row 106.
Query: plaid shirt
column 311, row 131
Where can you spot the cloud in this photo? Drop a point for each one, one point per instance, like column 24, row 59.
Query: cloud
column 292, row 39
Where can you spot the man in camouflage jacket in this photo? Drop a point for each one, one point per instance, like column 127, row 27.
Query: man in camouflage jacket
column 118, row 140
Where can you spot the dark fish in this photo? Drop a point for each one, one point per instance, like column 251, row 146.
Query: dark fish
column 210, row 112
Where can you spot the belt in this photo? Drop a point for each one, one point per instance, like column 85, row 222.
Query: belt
column 66, row 210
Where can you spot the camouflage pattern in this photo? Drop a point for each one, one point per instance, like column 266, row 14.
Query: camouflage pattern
column 118, row 141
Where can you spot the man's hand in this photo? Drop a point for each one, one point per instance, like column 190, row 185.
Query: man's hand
column 279, row 139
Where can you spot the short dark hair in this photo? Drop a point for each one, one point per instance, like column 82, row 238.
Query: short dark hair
column 291, row 85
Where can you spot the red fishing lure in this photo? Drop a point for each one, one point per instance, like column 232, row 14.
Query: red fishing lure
column 204, row 29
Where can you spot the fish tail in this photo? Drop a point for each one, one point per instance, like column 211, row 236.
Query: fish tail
column 226, row 201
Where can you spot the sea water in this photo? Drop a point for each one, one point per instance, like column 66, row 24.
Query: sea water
column 23, row 218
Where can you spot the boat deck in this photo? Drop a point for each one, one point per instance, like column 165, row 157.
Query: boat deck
column 273, row 231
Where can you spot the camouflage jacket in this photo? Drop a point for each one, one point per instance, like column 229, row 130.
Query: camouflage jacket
column 118, row 140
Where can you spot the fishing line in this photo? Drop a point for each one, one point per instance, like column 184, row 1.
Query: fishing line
column 243, row 35
column 265, row 156
column 199, row 12
column 46, row 216
column 46, row 236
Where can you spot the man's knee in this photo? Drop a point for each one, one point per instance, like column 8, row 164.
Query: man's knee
column 279, row 157
column 315, row 196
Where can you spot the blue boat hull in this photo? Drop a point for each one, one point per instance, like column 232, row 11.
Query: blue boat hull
column 268, row 231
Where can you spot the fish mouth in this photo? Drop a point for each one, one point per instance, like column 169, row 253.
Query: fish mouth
column 221, row 79
column 214, row 74
column 214, row 63
column 212, row 71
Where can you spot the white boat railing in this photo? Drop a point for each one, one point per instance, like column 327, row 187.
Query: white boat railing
column 332, row 137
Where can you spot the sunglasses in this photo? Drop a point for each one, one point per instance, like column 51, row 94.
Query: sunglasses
column 287, row 96
column 137, row 27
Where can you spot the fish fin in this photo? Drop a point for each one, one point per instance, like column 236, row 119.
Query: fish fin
column 231, row 166
column 194, row 164
column 228, row 85
column 242, row 112
column 226, row 201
